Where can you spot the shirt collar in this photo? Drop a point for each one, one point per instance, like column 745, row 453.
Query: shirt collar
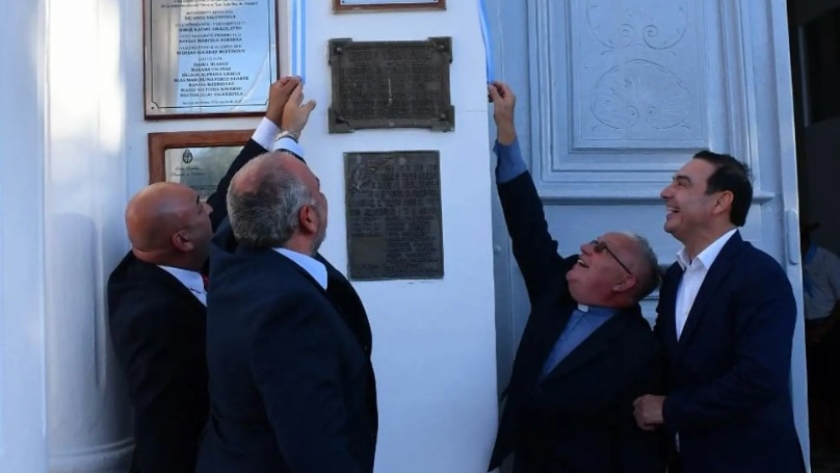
column 315, row 268
column 596, row 311
column 709, row 255
column 191, row 279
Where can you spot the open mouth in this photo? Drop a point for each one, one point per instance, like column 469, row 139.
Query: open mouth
column 672, row 210
column 582, row 263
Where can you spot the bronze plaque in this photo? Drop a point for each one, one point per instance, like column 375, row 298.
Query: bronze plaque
column 394, row 226
column 390, row 84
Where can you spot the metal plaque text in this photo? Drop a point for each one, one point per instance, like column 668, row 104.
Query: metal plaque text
column 394, row 226
column 390, row 84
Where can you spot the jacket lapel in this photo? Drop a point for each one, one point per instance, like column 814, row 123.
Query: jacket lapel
column 714, row 277
column 541, row 336
column 668, row 306
column 598, row 342
column 335, row 304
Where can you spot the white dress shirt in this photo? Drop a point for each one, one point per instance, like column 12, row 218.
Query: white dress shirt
column 315, row 268
column 192, row 280
column 266, row 133
column 693, row 277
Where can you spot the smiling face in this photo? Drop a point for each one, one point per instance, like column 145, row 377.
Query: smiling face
column 603, row 273
column 689, row 207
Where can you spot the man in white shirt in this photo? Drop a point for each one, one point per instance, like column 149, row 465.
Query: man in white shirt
column 726, row 316
column 157, row 299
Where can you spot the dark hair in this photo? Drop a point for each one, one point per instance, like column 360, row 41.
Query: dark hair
column 733, row 176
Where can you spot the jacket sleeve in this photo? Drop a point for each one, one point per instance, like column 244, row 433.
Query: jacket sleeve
column 534, row 249
column 167, row 384
column 218, row 200
column 763, row 312
column 297, row 366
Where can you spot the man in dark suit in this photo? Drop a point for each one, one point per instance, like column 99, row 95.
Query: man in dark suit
column 726, row 316
column 156, row 300
column 586, row 351
column 289, row 376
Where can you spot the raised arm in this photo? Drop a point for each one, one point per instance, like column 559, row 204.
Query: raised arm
column 534, row 249
column 291, row 119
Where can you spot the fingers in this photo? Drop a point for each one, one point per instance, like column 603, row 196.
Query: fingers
column 503, row 89
column 309, row 106
column 297, row 94
column 638, row 402
column 494, row 93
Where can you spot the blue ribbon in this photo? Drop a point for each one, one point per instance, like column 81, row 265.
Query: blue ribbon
column 298, row 29
column 488, row 44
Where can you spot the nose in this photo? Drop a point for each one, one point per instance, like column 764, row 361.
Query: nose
column 586, row 248
column 667, row 192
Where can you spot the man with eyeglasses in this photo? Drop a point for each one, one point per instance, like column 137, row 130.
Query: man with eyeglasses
column 586, row 352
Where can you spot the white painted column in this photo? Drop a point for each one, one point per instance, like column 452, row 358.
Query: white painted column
column 89, row 417
column 23, row 436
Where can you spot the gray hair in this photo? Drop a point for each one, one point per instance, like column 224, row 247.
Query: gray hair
column 265, row 214
column 647, row 264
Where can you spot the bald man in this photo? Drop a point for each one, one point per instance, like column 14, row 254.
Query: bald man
column 290, row 377
column 157, row 299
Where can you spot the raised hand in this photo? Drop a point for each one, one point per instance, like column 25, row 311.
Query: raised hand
column 504, row 103
column 278, row 95
column 296, row 113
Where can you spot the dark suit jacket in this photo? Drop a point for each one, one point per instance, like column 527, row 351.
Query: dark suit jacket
column 289, row 378
column 158, row 329
column 728, row 375
column 580, row 417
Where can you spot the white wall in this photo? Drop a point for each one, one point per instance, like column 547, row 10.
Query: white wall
column 23, row 435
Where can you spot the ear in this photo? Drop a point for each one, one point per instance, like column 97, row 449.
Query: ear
column 629, row 282
column 181, row 241
column 724, row 202
column 308, row 219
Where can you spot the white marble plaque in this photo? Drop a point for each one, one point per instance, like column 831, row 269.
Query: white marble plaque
column 209, row 57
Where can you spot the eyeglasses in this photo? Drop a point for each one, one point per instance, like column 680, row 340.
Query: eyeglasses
column 601, row 246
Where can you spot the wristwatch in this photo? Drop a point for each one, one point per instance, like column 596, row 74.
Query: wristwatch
column 288, row 134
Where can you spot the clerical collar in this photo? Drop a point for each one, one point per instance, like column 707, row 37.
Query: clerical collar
column 596, row 311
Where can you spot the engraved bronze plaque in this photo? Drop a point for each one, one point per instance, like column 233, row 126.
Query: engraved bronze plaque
column 206, row 58
column 390, row 84
column 394, row 226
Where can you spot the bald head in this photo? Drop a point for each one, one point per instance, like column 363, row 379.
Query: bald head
column 166, row 218
column 275, row 201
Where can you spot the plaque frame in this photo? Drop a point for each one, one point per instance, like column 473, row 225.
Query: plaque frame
column 162, row 141
column 147, row 53
column 350, row 184
column 386, row 5
column 340, row 123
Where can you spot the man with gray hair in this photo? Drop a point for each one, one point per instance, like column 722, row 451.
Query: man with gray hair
column 586, row 352
column 289, row 380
